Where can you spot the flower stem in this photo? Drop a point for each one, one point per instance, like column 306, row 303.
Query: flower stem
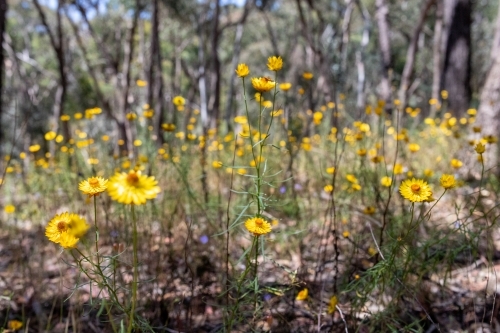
column 256, row 277
column 96, row 233
column 136, row 271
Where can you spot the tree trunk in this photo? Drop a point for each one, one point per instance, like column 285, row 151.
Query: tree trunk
column 488, row 115
column 236, row 56
column 437, row 59
column 411, row 55
column 3, row 19
column 384, row 43
column 457, row 61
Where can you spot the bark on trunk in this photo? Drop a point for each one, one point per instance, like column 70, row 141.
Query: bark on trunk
column 385, row 51
column 457, row 62
column 3, row 18
column 488, row 114
column 437, row 59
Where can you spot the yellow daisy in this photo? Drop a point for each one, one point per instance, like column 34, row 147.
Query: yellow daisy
column 66, row 229
column 258, row 226
column 302, row 295
column 132, row 187
column 274, row 63
column 179, row 101
column 242, row 70
column 14, row 325
column 93, row 186
column 386, row 181
column 262, row 84
column 447, row 181
column 415, row 190
column 480, row 148
column 285, row 86
column 332, row 305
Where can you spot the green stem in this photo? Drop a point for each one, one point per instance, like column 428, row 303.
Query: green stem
column 136, row 271
column 256, row 266
column 96, row 233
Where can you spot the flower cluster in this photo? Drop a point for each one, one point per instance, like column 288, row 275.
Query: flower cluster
column 66, row 229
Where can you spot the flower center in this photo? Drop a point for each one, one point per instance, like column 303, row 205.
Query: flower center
column 415, row 187
column 258, row 222
column 132, row 178
column 61, row 226
column 93, row 182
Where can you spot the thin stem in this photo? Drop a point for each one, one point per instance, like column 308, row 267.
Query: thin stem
column 256, row 266
column 136, row 271
column 96, row 233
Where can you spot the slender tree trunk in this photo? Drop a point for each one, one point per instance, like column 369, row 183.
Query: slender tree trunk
column 385, row 52
column 3, row 19
column 236, row 56
column 215, row 108
column 488, row 114
column 437, row 62
column 457, row 61
column 125, row 81
column 411, row 54
column 57, row 43
column 360, row 55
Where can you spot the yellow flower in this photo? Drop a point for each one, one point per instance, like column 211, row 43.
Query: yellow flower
column 480, row 148
column 132, row 187
column 285, row 86
column 328, row 188
column 351, row 178
column 216, row 164
column 414, row 147
column 93, row 186
column 14, row 325
column 447, row 181
column 168, row 127
column 386, row 181
column 66, row 229
column 242, row 70
column 332, row 305
column 369, row 210
column 274, row 63
column 330, row 170
column 141, row 83
column 346, row 234
column 302, row 295
column 415, row 190
column 263, row 84
column 398, row 169
column 9, row 209
column 456, row 163
column 51, row 135
column 34, row 148
column 179, row 101
column 258, row 226
column 361, row 152
column 307, row 75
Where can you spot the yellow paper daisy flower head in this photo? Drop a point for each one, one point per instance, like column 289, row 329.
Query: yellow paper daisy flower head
column 242, row 70
column 480, row 148
column 448, row 181
column 274, row 63
column 302, row 295
column 132, row 187
column 263, row 84
column 258, row 226
column 93, row 186
column 415, row 190
column 332, row 304
column 66, row 229
column 179, row 101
